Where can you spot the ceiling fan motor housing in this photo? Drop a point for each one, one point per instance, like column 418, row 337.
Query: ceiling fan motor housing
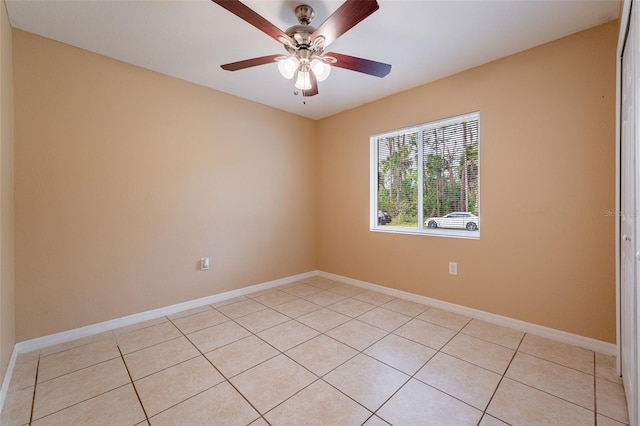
column 302, row 35
column 304, row 13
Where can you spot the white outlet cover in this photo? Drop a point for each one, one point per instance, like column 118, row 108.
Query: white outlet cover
column 453, row 268
column 204, row 264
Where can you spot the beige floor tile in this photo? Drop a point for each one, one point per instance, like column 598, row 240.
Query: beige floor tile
column 606, row 368
column 24, row 371
column 229, row 301
column 241, row 308
column 119, row 332
column 190, row 312
column 158, row 357
column 70, row 389
column 606, row 421
column 74, row 359
column 85, row 381
column 149, row 336
column 241, row 355
column 563, row 382
column 262, row 292
column 293, row 284
column 268, row 384
column 560, row 353
column 287, row 335
column 375, row 421
column 520, row 404
column 384, row 318
column 611, row 400
column 220, row 405
column 302, row 290
column 17, row 407
column 324, row 298
column 373, row 297
column 297, row 308
column 444, row 318
column 321, row 354
column 318, row 404
column 175, row 384
column 419, row 404
column 117, row 407
column 480, row 352
column 494, row 333
column 403, row 354
column 275, row 298
column 357, row 334
column 348, row 290
column 261, row 320
column 405, row 307
column 366, row 380
column 217, row 336
column 488, row 420
column 425, row 333
column 107, row 335
column 198, row 321
column 323, row 319
column 351, row 307
column 324, row 283
column 460, row 379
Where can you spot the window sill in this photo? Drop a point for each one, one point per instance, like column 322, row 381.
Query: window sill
column 448, row 233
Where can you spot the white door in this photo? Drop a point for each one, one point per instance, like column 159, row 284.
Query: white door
column 629, row 231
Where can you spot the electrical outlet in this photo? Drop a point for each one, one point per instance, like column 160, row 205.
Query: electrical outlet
column 204, row 264
column 453, row 268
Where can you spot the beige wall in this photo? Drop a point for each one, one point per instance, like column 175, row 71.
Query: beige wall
column 546, row 253
column 125, row 178
column 7, row 270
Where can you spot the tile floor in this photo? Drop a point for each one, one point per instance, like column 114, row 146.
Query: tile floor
column 316, row 352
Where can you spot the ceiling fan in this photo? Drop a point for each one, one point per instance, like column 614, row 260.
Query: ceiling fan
column 305, row 44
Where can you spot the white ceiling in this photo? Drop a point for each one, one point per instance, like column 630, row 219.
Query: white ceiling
column 422, row 40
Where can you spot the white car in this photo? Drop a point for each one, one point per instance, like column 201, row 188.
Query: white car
column 458, row 220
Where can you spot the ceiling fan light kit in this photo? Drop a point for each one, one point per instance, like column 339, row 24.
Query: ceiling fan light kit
column 305, row 44
column 288, row 65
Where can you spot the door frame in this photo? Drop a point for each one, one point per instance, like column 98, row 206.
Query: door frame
column 624, row 22
column 625, row 19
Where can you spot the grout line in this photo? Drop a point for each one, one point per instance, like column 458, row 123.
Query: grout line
column 557, row 363
column 358, row 352
column 35, row 386
column 412, row 376
column 318, row 378
column 226, row 379
column 135, row 389
column 515, row 352
column 595, row 390
column 74, row 404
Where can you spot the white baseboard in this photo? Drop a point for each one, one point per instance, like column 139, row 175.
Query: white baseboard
column 7, row 377
column 77, row 333
column 66, row 336
column 527, row 327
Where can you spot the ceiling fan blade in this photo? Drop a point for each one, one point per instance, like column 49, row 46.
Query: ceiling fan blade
column 248, row 63
column 365, row 66
column 314, row 86
column 244, row 12
column 344, row 18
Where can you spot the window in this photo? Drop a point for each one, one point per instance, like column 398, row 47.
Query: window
column 426, row 179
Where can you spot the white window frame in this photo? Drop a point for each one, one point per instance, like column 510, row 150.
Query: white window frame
column 421, row 229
